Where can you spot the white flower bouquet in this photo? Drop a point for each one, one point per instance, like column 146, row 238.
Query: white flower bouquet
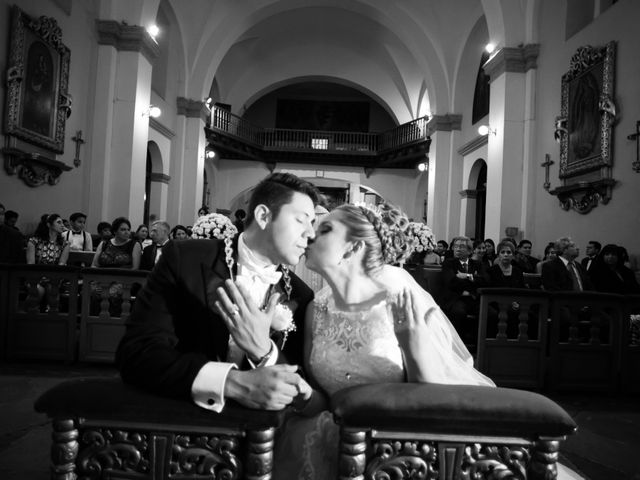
column 420, row 237
column 214, row 225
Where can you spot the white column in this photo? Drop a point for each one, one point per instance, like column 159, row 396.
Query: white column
column 509, row 159
column 119, row 144
column 445, row 179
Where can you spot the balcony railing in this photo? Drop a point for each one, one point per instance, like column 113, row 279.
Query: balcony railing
column 318, row 141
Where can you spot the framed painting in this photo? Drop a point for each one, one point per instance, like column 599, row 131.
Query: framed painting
column 37, row 99
column 587, row 111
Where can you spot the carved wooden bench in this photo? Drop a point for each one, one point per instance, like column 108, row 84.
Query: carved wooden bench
column 105, row 429
column 447, row 432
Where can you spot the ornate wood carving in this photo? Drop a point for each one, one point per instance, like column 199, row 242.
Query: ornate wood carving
column 34, row 169
column 64, row 450
column 396, row 460
column 352, row 459
column 584, row 196
column 544, row 459
column 494, row 462
column 205, row 455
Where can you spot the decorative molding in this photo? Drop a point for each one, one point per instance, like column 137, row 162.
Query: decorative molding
column 160, row 177
column 193, row 108
column 469, row 193
column 160, row 128
column 34, row 169
column 444, row 123
column 512, row 59
column 473, row 145
column 127, row 38
column 584, row 196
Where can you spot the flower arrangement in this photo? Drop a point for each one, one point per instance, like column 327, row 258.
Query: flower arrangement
column 420, row 237
column 214, row 225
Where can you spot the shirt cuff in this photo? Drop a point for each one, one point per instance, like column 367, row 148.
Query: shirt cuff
column 207, row 390
column 270, row 360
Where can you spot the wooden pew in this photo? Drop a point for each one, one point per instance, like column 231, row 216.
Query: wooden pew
column 42, row 327
column 512, row 336
column 104, row 429
column 630, row 357
column 447, row 432
column 585, row 346
column 106, row 305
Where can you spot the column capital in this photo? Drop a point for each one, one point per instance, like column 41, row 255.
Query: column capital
column 127, row 38
column 512, row 59
column 192, row 108
column 444, row 123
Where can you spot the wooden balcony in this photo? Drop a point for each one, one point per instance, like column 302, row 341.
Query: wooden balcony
column 236, row 138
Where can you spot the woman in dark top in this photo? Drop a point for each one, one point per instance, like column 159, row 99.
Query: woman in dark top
column 490, row 254
column 121, row 251
column 504, row 273
column 480, row 254
column 610, row 275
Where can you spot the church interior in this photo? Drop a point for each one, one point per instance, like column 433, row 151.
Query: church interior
column 478, row 118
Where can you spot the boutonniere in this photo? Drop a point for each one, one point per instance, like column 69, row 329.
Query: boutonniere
column 282, row 320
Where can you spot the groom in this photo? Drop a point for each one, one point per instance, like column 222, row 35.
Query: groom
column 194, row 333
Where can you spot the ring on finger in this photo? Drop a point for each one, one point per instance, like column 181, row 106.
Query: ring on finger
column 235, row 310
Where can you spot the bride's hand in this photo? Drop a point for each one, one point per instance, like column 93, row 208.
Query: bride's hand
column 410, row 322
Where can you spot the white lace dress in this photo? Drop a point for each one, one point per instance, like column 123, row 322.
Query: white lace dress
column 348, row 348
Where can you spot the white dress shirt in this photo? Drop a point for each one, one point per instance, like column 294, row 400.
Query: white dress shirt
column 207, row 390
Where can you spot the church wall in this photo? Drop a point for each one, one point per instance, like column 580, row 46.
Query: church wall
column 619, row 221
column 73, row 192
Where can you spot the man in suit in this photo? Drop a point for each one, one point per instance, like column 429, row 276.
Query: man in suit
column 563, row 272
column 159, row 233
column 11, row 242
column 593, row 249
column 461, row 277
column 196, row 334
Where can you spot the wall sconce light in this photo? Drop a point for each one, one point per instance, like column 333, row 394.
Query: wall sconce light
column 152, row 111
column 210, row 154
column 486, row 130
column 153, row 30
column 490, row 48
column 422, row 166
column 208, row 102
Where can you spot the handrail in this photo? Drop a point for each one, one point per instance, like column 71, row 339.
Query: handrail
column 329, row 141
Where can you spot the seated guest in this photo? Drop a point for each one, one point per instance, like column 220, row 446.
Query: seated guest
column 11, row 244
column 442, row 247
column 563, row 272
column 179, row 232
column 549, row 254
column 504, row 273
column 159, row 234
column 609, row 274
column 490, row 254
column 142, row 236
column 10, row 219
column 479, row 253
column 461, row 277
column 78, row 239
column 121, row 251
column 240, row 214
column 104, row 233
column 593, row 249
column 47, row 247
column 523, row 257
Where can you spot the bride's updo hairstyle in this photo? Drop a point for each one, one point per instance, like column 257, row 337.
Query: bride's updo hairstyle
column 381, row 229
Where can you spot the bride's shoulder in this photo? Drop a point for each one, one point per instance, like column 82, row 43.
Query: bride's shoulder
column 322, row 296
column 394, row 278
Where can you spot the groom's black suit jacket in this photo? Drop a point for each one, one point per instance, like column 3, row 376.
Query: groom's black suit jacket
column 174, row 329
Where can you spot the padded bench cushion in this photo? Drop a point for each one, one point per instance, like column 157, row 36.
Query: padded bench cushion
column 451, row 409
column 111, row 399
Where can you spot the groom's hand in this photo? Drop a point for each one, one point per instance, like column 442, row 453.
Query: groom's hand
column 248, row 324
column 267, row 388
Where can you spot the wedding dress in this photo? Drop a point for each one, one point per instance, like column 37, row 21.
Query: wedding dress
column 356, row 347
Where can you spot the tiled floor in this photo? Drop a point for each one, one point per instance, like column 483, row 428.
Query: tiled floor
column 606, row 447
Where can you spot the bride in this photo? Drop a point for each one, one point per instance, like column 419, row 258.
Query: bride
column 372, row 323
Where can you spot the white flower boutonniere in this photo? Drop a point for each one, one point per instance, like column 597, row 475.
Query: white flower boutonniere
column 282, row 320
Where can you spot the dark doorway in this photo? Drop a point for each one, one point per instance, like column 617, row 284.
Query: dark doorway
column 481, row 202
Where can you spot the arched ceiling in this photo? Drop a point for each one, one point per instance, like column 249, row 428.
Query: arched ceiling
column 405, row 54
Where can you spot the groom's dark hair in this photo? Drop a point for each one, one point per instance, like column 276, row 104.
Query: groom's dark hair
column 276, row 190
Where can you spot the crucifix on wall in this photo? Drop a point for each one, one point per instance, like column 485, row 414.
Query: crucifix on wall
column 79, row 141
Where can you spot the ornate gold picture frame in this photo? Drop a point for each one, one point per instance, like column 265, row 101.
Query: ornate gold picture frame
column 37, row 101
column 584, row 129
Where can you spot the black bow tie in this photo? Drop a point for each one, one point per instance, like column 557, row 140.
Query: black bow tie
column 76, row 233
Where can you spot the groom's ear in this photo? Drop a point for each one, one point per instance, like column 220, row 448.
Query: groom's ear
column 262, row 215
